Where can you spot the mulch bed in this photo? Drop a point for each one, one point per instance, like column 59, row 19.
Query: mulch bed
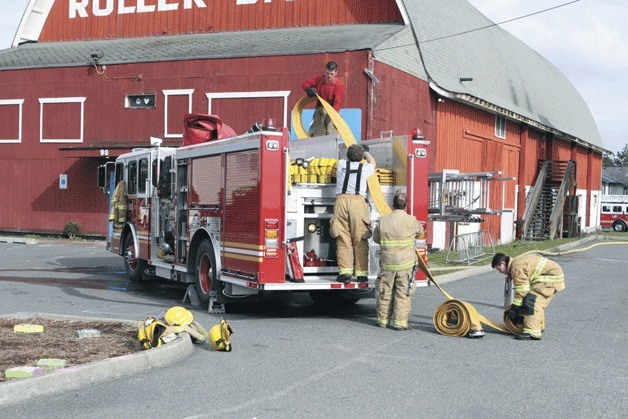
column 59, row 340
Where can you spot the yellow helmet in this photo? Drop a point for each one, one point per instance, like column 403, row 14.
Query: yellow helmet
column 219, row 336
column 178, row 316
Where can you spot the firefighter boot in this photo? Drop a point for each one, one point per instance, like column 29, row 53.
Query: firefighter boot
column 526, row 336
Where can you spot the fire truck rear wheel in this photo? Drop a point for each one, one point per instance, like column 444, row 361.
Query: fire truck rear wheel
column 205, row 273
column 619, row 226
column 134, row 267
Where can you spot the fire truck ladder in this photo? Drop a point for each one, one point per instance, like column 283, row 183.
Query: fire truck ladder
column 455, row 196
column 545, row 202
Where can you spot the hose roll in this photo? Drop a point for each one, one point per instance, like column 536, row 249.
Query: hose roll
column 456, row 318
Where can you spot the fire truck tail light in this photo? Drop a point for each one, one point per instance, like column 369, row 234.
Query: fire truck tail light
column 272, row 224
column 272, row 234
column 271, row 243
column 271, row 238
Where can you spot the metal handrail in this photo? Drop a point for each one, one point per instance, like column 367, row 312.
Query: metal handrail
column 532, row 200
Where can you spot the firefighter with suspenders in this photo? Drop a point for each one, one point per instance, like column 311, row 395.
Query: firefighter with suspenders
column 351, row 222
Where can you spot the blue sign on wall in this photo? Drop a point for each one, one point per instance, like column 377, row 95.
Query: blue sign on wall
column 352, row 116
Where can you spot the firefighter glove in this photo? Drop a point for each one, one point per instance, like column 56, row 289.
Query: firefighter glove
column 310, row 91
column 513, row 315
column 527, row 307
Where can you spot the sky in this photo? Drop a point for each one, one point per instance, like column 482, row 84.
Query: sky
column 586, row 40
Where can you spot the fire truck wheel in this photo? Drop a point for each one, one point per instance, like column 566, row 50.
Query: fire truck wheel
column 333, row 298
column 619, row 226
column 134, row 267
column 205, row 273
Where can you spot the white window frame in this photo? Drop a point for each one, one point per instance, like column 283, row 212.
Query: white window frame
column 175, row 92
column 43, row 101
column 246, row 95
column 500, row 132
column 19, row 103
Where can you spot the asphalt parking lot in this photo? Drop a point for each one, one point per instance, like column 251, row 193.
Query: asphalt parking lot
column 293, row 359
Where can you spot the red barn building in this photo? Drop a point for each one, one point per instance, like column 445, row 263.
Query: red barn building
column 87, row 80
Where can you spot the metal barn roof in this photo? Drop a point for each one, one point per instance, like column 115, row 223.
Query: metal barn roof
column 506, row 73
column 312, row 40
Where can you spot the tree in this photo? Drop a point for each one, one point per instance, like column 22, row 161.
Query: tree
column 621, row 157
column 607, row 160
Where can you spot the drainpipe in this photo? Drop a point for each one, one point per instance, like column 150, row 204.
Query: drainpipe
column 370, row 101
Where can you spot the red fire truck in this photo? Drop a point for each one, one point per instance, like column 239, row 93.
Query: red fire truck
column 239, row 217
column 614, row 212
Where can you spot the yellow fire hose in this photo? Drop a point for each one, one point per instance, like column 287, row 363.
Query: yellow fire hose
column 453, row 317
column 348, row 139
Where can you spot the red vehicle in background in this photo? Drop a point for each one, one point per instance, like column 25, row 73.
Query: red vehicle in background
column 614, row 213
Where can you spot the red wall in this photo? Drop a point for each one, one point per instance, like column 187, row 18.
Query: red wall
column 217, row 16
column 400, row 102
column 34, row 167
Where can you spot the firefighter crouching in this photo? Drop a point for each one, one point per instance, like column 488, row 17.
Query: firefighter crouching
column 118, row 205
column 536, row 280
column 396, row 234
column 351, row 222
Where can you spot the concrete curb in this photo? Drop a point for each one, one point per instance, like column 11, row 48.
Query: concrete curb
column 18, row 240
column 76, row 377
column 469, row 272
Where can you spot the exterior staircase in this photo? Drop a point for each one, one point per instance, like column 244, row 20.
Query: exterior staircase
column 543, row 214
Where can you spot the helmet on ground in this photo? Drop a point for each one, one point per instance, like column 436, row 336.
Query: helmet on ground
column 178, row 316
column 219, row 336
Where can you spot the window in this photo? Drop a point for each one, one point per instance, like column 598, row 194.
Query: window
column 606, row 208
column 61, row 119
column 132, row 178
column 11, row 117
column 141, row 184
column 617, row 208
column 173, row 110
column 500, row 126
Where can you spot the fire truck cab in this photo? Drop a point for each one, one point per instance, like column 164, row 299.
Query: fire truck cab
column 239, row 217
column 614, row 213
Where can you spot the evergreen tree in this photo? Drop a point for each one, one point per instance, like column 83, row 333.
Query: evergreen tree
column 607, row 160
column 621, row 157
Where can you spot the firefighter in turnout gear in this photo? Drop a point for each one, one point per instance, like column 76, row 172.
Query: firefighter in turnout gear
column 119, row 205
column 536, row 280
column 396, row 234
column 351, row 222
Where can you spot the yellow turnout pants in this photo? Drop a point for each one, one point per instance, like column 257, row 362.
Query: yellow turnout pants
column 535, row 323
column 321, row 123
column 392, row 300
column 352, row 229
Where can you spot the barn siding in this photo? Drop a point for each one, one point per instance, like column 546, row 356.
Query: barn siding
column 218, row 16
column 35, row 167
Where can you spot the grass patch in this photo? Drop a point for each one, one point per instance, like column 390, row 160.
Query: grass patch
column 437, row 260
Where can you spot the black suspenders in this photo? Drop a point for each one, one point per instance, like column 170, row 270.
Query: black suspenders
column 348, row 172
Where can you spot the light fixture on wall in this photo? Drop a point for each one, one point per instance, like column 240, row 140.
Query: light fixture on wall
column 466, row 79
column 95, row 56
column 440, row 100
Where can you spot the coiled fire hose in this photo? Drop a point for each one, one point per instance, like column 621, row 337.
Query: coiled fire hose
column 453, row 317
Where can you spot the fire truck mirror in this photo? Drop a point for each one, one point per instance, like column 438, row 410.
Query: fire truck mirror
column 102, row 177
column 165, row 178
